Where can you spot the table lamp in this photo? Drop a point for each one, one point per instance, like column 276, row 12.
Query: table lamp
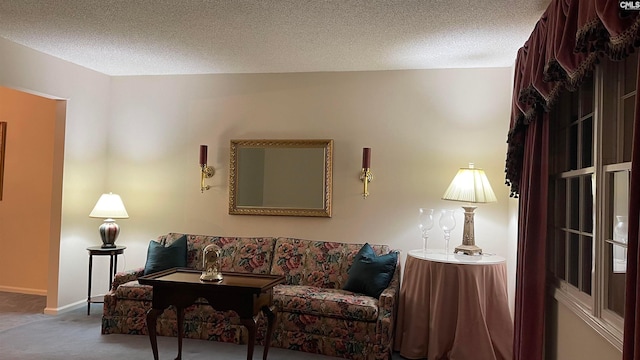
column 109, row 207
column 470, row 185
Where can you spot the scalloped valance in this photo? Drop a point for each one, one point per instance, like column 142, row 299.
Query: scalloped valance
column 563, row 48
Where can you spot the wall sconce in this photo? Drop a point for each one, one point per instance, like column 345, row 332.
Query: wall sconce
column 205, row 171
column 365, row 174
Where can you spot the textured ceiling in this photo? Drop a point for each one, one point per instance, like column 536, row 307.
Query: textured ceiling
column 148, row 37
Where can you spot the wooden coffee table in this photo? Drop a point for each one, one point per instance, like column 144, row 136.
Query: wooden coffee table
column 246, row 294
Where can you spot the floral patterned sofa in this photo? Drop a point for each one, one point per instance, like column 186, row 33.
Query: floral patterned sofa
column 314, row 313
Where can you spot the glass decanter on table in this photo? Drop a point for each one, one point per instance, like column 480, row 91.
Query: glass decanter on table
column 425, row 219
column 447, row 223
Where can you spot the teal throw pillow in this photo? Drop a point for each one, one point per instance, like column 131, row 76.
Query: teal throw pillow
column 371, row 274
column 161, row 257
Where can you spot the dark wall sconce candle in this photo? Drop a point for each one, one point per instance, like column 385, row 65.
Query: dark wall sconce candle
column 205, row 171
column 203, row 155
column 365, row 174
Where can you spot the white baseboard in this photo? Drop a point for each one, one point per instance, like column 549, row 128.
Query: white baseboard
column 66, row 308
column 47, row 310
column 19, row 290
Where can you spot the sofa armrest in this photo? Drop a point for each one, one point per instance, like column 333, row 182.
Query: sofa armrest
column 387, row 308
column 125, row 277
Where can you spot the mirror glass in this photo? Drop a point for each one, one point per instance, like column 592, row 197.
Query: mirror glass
column 280, row 177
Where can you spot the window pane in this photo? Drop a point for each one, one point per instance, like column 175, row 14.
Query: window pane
column 573, row 107
column 587, row 204
column 618, row 231
column 573, row 147
column 616, row 255
column 630, row 73
column 561, row 255
column 609, row 136
column 574, row 204
column 561, row 203
column 587, row 264
column 587, row 142
column 616, row 277
column 574, row 258
column 620, row 194
column 615, row 299
column 586, row 96
column 627, row 135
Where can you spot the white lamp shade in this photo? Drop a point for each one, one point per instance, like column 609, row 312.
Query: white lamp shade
column 109, row 206
column 470, row 185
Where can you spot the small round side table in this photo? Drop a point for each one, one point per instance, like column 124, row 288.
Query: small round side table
column 113, row 266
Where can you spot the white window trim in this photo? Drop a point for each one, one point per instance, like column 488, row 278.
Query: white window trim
column 588, row 308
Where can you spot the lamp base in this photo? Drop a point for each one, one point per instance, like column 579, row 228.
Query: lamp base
column 468, row 246
column 109, row 231
column 468, row 250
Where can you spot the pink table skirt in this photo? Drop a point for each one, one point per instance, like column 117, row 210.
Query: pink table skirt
column 454, row 311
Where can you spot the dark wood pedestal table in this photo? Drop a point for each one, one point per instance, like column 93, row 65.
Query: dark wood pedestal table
column 246, row 294
column 113, row 253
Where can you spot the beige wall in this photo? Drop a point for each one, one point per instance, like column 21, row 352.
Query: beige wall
column 138, row 136
column 25, row 209
column 80, row 150
column 568, row 337
column 421, row 125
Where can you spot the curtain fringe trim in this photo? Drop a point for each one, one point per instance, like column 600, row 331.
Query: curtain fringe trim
column 594, row 40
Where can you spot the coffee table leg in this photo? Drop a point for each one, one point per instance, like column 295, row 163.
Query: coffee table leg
column 269, row 311
column 152, row 317
column 250, row 324
column 180, row 314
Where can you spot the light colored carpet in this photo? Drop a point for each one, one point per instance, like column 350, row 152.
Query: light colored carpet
column 20, row 309
column 74, row 335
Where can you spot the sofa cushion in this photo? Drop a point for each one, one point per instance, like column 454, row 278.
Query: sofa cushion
column 370, row 274
column 315, row 263
column 238, row 254
column 334, row 303
column 160, row 257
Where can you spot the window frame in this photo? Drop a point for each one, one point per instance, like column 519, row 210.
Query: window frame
column 608, row 102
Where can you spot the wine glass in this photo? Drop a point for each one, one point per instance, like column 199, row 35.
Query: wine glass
column 425, row 219
column 447, row 223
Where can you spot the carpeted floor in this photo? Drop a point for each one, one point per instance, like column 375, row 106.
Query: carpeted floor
column 20, row 309
column 31, row 335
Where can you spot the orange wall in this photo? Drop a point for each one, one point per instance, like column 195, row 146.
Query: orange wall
column 25, row 210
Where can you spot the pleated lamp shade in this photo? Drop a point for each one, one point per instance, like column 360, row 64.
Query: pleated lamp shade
column 470, row 185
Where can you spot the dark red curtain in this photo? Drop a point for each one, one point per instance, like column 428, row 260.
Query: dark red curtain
column 532, row 225
column 563, row 48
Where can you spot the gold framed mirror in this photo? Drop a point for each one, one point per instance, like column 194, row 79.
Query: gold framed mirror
column 281, row 177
